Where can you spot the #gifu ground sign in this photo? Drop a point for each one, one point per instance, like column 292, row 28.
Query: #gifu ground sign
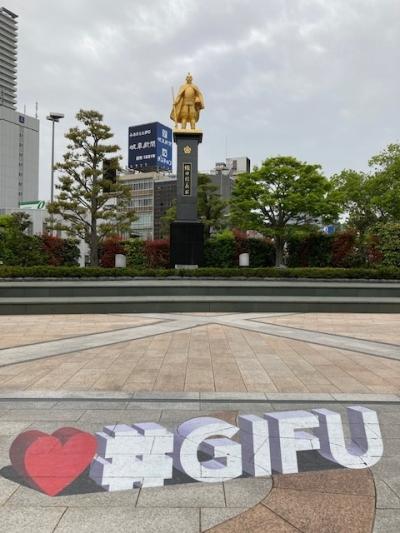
column 122, row 456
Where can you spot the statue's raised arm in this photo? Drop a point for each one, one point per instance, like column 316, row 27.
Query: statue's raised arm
column 187, row 105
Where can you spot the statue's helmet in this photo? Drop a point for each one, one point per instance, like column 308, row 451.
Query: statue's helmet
column 189, row 78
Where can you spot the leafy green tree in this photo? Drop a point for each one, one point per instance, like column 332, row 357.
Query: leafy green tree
column 385, row 183
column 388, row 243
column 354, row 193
column 90, row 206
column 211, row 208
column 278, row 196
column 16, row 247
column 374, row 197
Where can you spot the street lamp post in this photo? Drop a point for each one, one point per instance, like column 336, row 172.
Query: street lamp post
column 53, row 117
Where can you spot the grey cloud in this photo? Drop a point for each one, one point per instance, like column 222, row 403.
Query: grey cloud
column 314, row 78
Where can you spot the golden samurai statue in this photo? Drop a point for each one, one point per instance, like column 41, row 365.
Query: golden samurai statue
column 187, row 104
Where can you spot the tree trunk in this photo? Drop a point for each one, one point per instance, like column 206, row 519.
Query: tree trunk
column 279, row 246
column 94, row 246
column 94, row 252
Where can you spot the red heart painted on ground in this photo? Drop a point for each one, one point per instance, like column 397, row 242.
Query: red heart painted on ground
column 52, row 462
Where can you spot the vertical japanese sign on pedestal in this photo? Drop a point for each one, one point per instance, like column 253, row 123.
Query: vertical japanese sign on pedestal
column 187, row 179
column 187, row 233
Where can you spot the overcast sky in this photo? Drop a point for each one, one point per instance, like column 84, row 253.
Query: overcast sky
column 317, row 79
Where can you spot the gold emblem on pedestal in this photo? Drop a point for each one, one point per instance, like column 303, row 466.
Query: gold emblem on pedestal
column 187, row 105
column 187, row 150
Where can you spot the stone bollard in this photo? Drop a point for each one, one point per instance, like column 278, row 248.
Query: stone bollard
column 120, row 261
column 244, row 260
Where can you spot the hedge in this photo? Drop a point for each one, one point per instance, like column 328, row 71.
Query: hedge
column 314, row 250
column 312, row 273
column 222, row 250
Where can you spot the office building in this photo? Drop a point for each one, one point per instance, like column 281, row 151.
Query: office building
column 19, row 133
column 224, row 174
column 238, row 165
column 8, row 58
column 164, row 197
column 19, row 158
column 152, row 194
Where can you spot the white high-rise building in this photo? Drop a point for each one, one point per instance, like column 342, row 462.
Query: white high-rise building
column 19, row 133
column 8, row 58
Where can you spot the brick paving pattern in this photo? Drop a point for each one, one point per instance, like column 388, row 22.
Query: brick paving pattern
column 209, row 358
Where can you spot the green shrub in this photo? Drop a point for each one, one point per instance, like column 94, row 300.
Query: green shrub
column 135, row 253
column 60, row 252
column 347, row 251
column 108, row 249
column 219, row 250
column 262, row 253
column 313, row 250
column 157, row 253
column 289, row 273
column 25, row 250
column 388, row 243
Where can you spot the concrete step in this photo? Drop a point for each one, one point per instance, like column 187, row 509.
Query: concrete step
column 178, row 303
column 195, row 287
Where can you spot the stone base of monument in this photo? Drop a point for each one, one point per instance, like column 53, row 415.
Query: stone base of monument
column 186, row 244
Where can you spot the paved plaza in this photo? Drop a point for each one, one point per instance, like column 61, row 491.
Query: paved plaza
column 86, row 371
column 291, row 353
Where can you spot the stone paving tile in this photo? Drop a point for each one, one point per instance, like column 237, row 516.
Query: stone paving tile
column 16, row 415
column 186, row 495
column 378, row 327
column 350, row 514
column 154, row 396
column 28, row 329
column 387, row 521
column 7, row 489
column 124, row 416
column 340, row 481
column 210, row 517
column 258, row 519
column 239, row 406
column 137, row 520
column 246, row 492
column 30, row 519
column 386, row 497
column 90, row 404
column 391, row 479
column 13, row 428
column 164, row 405
column 90, row 427
column 20, row 404
column 173, row 417
column 26, row 497
column 392, row 447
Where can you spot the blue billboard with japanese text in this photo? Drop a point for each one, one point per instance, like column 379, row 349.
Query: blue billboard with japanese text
column 150, row 147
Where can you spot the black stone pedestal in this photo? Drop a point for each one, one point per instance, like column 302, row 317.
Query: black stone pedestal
column 187, row 244
column 187, row 233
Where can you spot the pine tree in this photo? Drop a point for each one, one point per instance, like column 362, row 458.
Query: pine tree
column 90, row 205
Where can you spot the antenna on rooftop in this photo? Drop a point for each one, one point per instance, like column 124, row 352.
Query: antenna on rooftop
column 36, row 109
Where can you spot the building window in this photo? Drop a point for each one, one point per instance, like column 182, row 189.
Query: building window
column 142, row 185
